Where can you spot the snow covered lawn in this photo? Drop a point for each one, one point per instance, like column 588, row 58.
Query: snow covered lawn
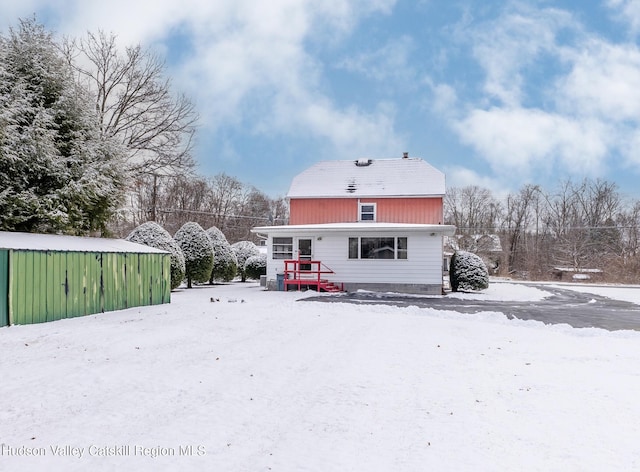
column 258, row 381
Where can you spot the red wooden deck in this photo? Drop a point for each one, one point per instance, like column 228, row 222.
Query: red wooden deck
column 308, row 274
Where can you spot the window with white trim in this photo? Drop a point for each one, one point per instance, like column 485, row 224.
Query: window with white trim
column 378, row 248
column 366, row 212
column 282, row 248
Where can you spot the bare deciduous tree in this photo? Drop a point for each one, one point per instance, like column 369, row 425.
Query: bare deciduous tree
column 221, row 201
column 134, row 103
column 518, row 218
column 472, row 209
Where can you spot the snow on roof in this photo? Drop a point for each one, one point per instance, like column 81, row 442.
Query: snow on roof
column 409, row 176
column 54, row 242
column 355, row 228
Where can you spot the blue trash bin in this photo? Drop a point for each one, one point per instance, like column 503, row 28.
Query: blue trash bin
column 280, row 279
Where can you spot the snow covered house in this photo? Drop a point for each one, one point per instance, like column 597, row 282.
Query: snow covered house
column 45, row 277
column 361, row 224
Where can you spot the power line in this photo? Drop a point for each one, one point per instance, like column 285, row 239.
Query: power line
column 221, row 215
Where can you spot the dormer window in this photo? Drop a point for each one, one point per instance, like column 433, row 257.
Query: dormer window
column 366, row 212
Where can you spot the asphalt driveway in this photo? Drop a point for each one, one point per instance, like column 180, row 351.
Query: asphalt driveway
column 580, row 310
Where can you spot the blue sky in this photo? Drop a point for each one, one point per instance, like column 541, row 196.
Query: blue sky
column 494, row 93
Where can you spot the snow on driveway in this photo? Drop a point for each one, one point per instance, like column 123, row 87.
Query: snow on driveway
column 257, row 381
column 624, row 292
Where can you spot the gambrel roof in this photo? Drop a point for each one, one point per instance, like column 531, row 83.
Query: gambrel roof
column 403, row 177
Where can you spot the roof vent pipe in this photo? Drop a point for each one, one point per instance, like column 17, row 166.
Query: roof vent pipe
column 405, row 155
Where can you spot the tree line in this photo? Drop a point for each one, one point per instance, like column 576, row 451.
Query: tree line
column 581, row 226
column 222, row 201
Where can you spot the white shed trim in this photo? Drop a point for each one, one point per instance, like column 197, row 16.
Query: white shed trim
column 56, row 242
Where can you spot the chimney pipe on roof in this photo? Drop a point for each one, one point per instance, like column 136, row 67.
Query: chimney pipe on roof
column 405, row 155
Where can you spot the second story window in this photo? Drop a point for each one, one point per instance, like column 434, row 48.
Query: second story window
column 366, row 212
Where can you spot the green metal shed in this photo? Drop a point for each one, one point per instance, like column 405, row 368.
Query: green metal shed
column 49, row 277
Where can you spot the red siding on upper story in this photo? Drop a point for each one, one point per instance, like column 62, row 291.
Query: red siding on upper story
column 345, row 210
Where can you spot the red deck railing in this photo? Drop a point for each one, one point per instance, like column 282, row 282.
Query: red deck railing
column 303, row 273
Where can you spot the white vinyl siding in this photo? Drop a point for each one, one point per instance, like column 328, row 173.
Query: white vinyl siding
column 422, row 266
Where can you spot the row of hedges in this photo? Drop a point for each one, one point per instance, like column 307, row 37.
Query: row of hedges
column 202, row 256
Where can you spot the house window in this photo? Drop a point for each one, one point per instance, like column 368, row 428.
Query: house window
column 378, row 248
column 367, row 211
column 401, row 252
column 282, row 248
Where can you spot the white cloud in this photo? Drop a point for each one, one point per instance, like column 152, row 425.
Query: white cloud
column 584, row 114
column 445, row 99
column 603, row 82
column 458, row 176
column 241, row 51
column 352, row 132
column 392, row 61
column 627, row 11
column 516, row 140
column 513, row 42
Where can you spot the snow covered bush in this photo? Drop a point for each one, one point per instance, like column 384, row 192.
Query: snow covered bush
column 198, row 252
column 255, row 266
column 467, row 272
column 153, row 235
column 225, row 264
column 244, row 250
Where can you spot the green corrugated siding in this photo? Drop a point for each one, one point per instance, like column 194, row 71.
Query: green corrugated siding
column 46, row 286
column 4, row 287
column 93, row 296
column 135, row 275
column 59, row 307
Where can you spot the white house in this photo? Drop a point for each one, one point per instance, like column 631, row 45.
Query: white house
column 361, row 224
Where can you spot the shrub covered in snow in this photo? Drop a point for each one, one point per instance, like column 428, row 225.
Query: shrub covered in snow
column 467, row 272
column 256, row 266
column 225, row 264
column 244, row 250
column 153, row 235
column 198, row 252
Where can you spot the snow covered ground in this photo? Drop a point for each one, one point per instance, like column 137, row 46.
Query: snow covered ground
column 259, row 381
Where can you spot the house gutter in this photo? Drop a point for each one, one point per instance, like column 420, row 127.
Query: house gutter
column 335, row 228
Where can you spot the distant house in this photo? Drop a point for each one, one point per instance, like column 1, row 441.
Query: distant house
column 487, row 246
column 361, row 224
column 45, row 277
column 572, row 274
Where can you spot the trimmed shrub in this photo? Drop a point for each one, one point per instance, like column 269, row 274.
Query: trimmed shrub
column 468, row 272
column 198, row 252
column 255, row 266
column 244, row 250
column 153, row 235
column 225, row 263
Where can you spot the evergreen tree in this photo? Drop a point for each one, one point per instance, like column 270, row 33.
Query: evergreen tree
column 154, row 235
column 58, row 175
column 225, row 264
column 198, row 252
